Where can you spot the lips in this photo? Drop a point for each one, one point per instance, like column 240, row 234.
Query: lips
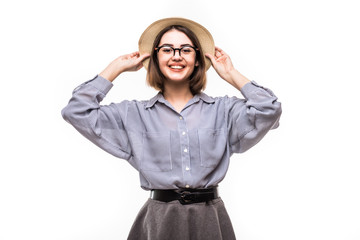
column 173, row 66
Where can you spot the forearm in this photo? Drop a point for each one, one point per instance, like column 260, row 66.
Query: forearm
column 236, row 79
column 112, row 71
column 109, row 74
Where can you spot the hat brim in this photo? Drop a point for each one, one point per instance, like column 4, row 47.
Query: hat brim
column 147, row 39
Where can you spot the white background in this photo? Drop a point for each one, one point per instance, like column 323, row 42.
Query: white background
column 301, row 182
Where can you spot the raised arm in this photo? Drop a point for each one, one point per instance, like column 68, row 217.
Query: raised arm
column 251, row 118
column 224, row 67
column 103, row 125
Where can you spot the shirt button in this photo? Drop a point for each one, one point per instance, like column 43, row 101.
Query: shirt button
column 187, row 186
column 187, row 168
column 181, row 118
column 185, row 150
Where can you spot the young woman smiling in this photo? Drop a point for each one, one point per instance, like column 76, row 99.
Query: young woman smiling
column 181, row 140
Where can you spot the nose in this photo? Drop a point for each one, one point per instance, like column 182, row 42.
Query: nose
column 177, row 54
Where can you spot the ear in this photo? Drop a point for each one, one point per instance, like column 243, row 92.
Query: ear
column 196, row 63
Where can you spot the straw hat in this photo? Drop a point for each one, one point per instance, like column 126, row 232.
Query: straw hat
column 147, row 39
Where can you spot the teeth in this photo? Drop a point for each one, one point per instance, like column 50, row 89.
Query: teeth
column 176, row 67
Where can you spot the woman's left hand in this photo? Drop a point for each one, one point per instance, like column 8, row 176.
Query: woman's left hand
column 224, row 67
column 221, row 63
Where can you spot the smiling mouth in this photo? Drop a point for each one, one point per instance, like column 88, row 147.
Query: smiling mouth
column 176, row 67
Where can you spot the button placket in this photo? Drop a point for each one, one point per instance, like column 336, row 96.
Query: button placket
column 185, row 151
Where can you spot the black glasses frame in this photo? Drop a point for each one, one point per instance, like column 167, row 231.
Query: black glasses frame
column 176, row 49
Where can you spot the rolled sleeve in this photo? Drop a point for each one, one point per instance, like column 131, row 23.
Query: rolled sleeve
column 251, row 118
column 102, row 125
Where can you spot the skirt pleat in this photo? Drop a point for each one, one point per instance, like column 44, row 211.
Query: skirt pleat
column 173, row 221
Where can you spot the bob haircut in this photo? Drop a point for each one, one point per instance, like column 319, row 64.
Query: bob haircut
column 197, row 80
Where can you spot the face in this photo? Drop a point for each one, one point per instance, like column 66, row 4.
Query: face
column 176, row 67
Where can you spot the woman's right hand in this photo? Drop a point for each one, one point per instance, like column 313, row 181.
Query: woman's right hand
column 128, row 62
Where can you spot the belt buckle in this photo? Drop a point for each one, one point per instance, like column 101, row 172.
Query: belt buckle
column 186, row 197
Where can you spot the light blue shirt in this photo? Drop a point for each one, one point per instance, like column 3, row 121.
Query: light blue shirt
column 172, row 150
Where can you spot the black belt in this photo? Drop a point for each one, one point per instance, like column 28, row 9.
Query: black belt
column 185, row 196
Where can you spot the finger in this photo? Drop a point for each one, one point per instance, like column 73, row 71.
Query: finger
column 143, row 57
column 219, row 50
column 211, row 57
column 218, row 53
column 139, row 67
column 133, row 55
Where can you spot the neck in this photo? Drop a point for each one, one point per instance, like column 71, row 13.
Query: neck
column 177, row 95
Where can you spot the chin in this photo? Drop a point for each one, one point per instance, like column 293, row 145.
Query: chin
column 177, row 80
column 178, row 77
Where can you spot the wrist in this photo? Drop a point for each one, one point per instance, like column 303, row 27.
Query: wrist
column 238, row 79
column 108, row 75
column 233, row 74
column 111, row 72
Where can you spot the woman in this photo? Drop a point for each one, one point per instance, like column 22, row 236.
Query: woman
column 181, row 140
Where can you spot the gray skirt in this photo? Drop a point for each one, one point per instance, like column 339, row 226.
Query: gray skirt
column 199, row 221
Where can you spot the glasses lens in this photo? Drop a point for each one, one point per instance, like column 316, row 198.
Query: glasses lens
column 187, row 51
column 166, row 50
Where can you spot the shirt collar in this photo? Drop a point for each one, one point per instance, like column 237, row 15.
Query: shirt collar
column 153, row 100
column 159, row 97
column 205, row 98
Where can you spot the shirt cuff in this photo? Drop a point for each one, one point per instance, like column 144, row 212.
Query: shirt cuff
column 102, row 84
column 251, row 88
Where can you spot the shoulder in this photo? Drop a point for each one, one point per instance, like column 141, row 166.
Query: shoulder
column 218, row 99
column 140, row 103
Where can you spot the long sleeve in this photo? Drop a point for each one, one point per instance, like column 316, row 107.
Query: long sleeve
column 174, row 150
column 102, row 125
column 251, row 118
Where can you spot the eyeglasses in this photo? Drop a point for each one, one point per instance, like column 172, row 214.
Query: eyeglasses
column 170, row 51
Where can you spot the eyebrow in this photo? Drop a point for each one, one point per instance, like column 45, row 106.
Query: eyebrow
column 182, row 45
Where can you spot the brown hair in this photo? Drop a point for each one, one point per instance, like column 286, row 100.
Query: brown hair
column 197, row 80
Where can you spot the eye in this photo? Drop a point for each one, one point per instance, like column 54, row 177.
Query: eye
column 166, row 50
column 187, row 50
